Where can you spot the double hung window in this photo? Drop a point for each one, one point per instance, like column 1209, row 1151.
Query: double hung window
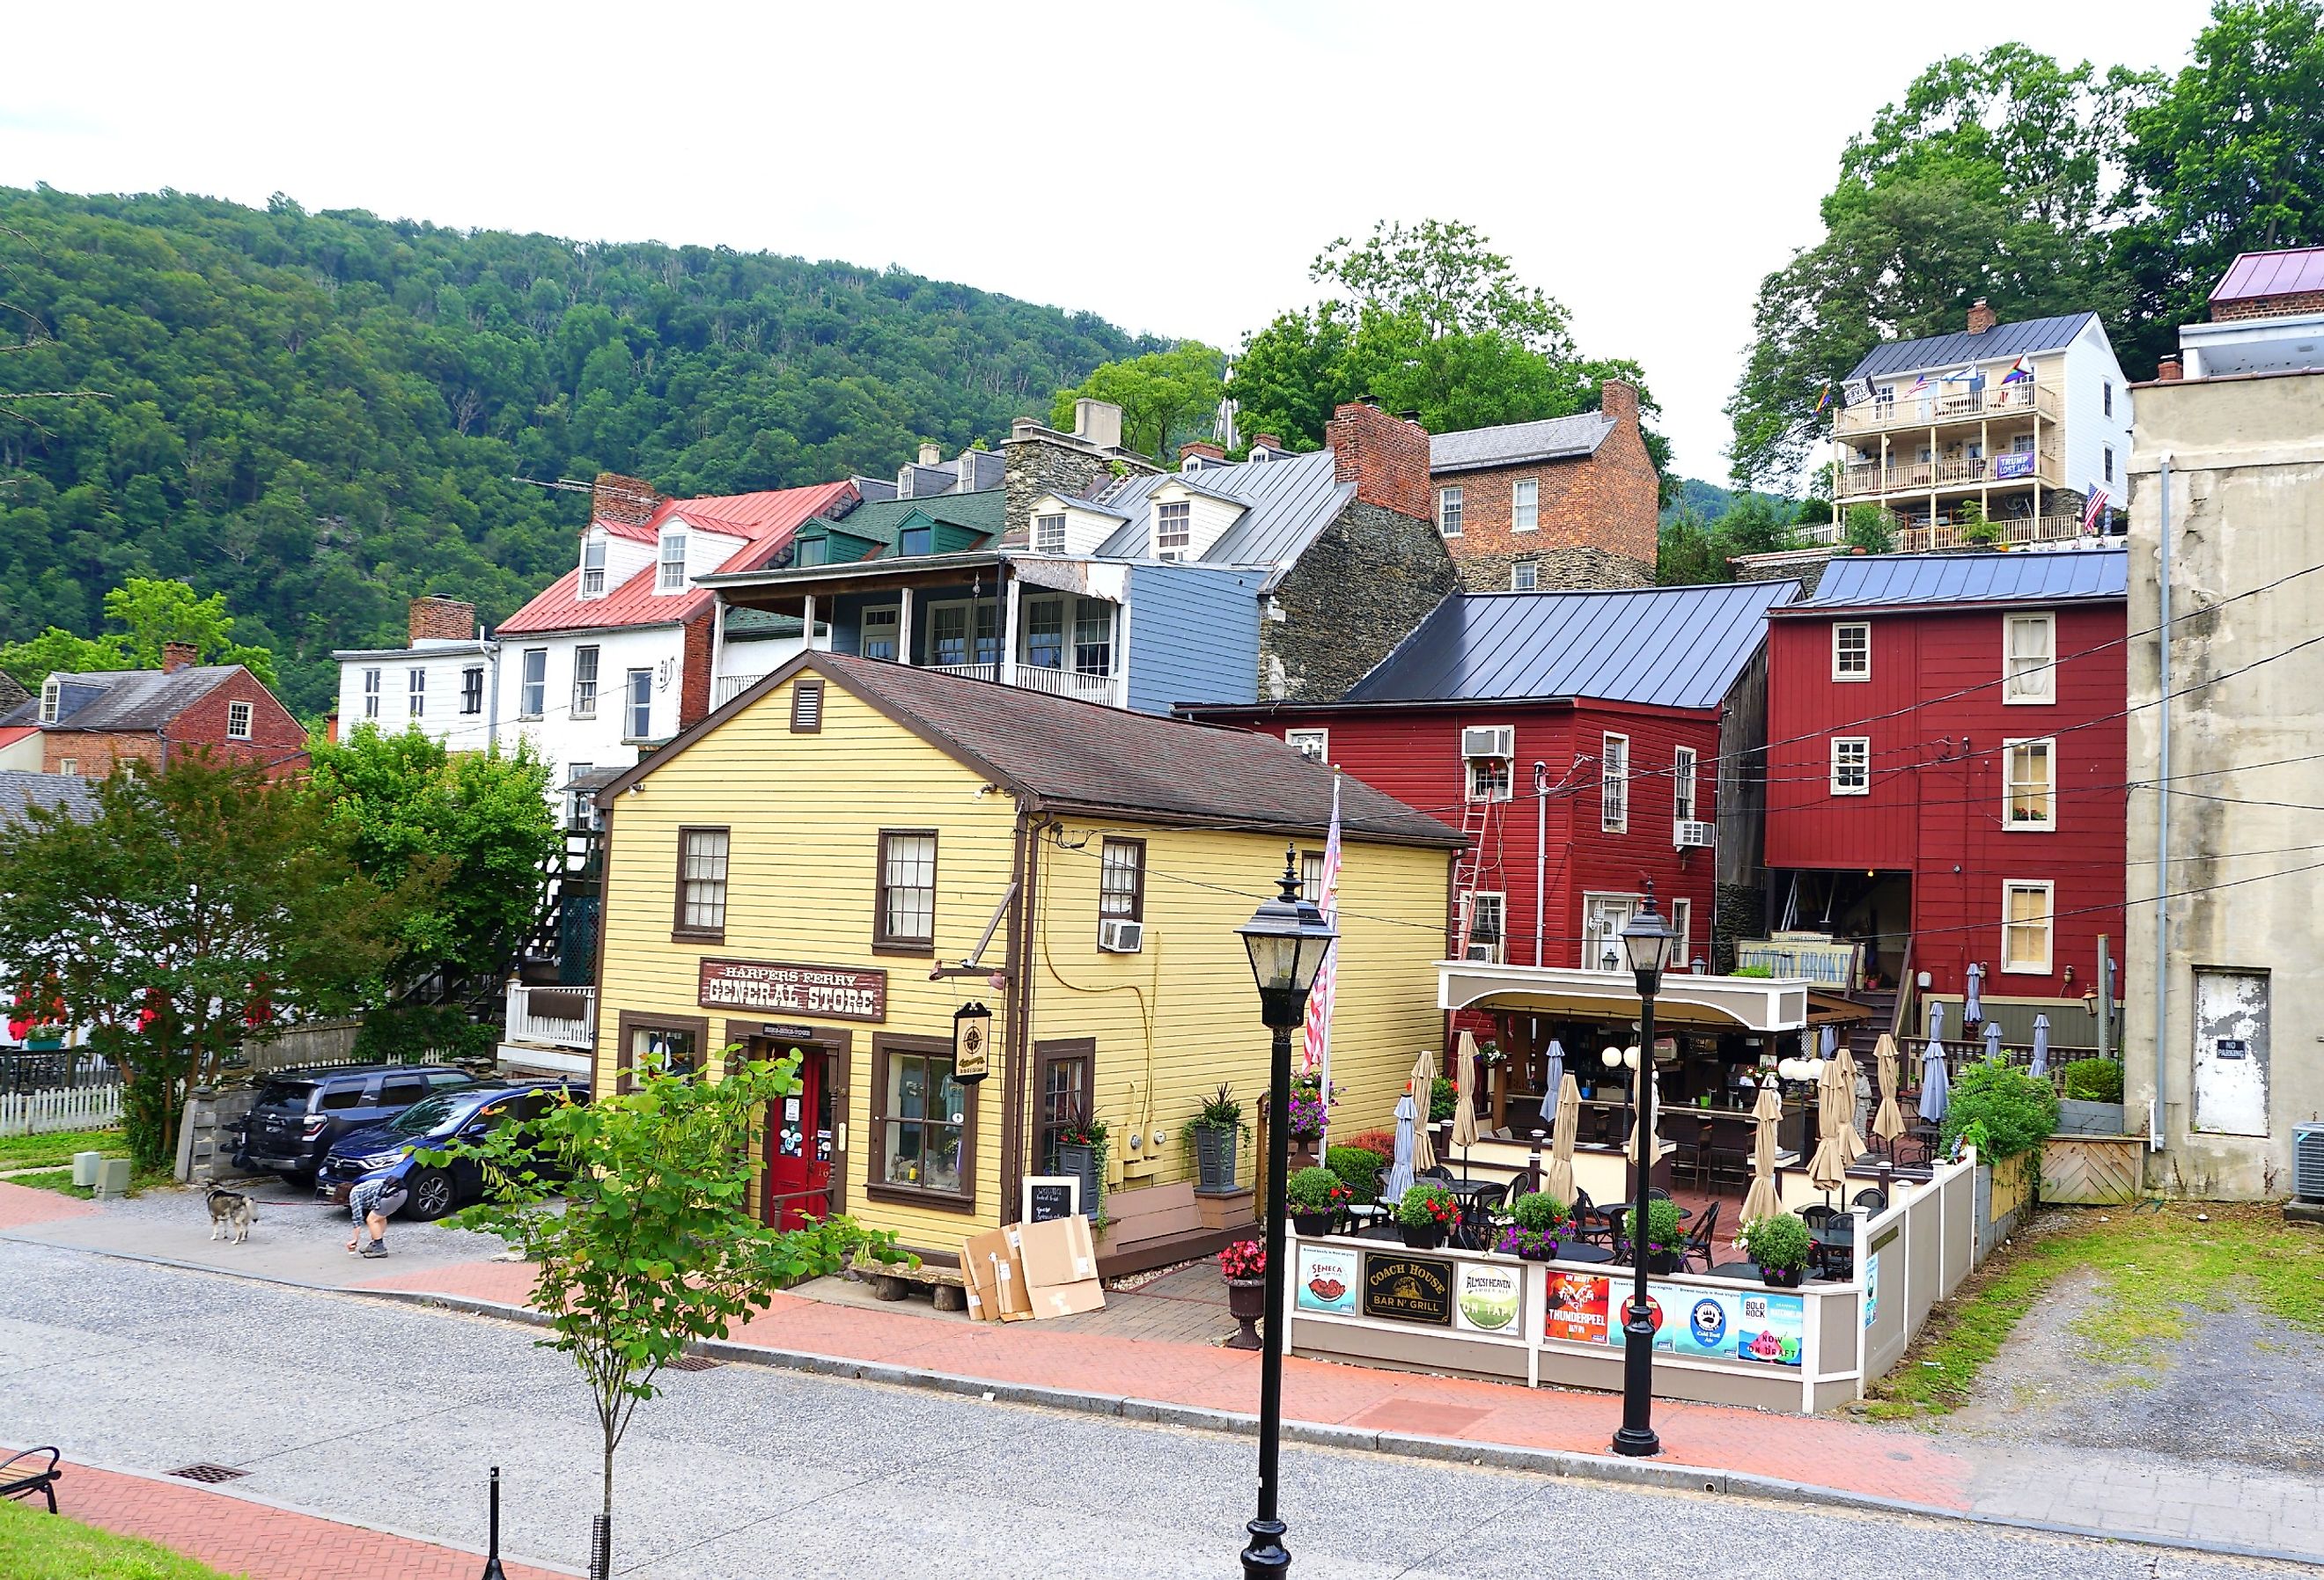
column 702, row 856
column 1525, row 505
column 1614, row 784
column 2030, row 796
column 1448, row 512
column 533, row 692
column 1851, row 650
column 2026, row 913
column 669, row 576
column 2029, row 671
column 907, row 914
column 593, row 566
column 237, row 720
column 639, row 724
column 1121, row 878
column 584, row 682
column 1851, row 765
column 417, row 691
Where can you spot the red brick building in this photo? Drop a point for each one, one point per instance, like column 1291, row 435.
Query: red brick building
column 89, row 722
column 1571, row 501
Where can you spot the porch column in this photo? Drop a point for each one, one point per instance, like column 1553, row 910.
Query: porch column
column 1007, row 670
column 808, row 623
column 904, row 625
column 717, row 643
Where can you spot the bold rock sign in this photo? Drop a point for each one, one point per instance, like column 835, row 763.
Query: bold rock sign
column 823, row 993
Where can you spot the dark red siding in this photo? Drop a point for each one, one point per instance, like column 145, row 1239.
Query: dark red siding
column 1935, row 713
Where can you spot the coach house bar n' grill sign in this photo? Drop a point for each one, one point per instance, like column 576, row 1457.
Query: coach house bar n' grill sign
column 896, row 872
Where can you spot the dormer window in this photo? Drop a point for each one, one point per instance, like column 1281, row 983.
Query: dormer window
column 592, row 566
column 1049, row 534
column 52, row 698
column 916, row 540
column 1173, row 529
column 812, row 551
column 670, row 574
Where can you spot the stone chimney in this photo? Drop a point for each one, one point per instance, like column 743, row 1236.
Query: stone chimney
column 179, row 655
column 1385, row 456
column 931, row 455
column 433, row 618
column 1098, row 421
column 1038, row 460
column 1981, row 318
column 1202, row 448
column 629, row 501
column 1618, row 399
column 2169, row 371
column 1265, row 441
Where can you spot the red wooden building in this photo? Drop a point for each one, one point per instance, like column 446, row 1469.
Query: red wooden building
column 1946, row 769
column 1577, row 738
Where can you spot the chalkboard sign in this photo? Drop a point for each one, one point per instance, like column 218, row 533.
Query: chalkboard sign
column 1051, row 1197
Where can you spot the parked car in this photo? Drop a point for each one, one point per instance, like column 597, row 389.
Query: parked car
column 300, row 1113
column 466, row 1114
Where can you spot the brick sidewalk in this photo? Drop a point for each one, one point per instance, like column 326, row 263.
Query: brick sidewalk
column 22, row 1205
column 260, row 1541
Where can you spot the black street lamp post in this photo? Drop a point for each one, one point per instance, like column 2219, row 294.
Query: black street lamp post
column 1287, row 937
column 1646, row 942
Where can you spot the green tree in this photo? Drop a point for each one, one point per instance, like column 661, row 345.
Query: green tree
column 1165, row 396
column 1755, row 526
column 1870, row 528
column 152, row 612
column 201, row 904
column 1688, row 553
column 652, row 1246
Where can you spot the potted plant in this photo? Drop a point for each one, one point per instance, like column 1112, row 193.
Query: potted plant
column 1425, row 1216
column 1243, row 1265
column 1309, row 1110
column 1360, row 1169
column 2093, row 1100
column 1664, row 1236
column 1081, row 1151
column 1780, row 1245
column 1216, row 1129
column 1315, row 1196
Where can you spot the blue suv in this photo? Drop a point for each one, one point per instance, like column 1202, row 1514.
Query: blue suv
column 465, row 1115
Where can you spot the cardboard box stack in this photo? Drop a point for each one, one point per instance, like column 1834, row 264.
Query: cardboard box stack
column 1031, row 1270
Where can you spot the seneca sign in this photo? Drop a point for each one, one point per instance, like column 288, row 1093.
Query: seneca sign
column 836, row 993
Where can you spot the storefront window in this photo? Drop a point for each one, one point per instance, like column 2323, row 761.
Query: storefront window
column 1064, row 1094
column 671, row 1047
column 927, row 1124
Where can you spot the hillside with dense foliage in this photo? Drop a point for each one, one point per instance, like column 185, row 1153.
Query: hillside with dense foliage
column 319, row 415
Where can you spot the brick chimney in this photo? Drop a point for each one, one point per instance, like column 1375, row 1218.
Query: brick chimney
column 179, row 655
column 1200, row 447
column 931, row 455
column 1618, row 399
column 2169, row 371
column 1265, row 442
column 1385, row 456
column 440, row 619
column 1981, row 318
column 624, row 501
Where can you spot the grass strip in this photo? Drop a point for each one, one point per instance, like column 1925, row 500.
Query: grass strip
column 58, row 1146
column 36, row 1545
column 60, row 1181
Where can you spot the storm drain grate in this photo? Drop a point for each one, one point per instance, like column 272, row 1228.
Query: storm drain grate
column 208, row 1472
column 689, row 1363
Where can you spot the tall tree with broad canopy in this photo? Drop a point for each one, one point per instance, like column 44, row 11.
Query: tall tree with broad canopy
column 1166, row 397
column 201, row 904
column 151, row 614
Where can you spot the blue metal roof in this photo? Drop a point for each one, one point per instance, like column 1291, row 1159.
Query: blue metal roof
column 1858, row 581
column 1936, row 351
column 1674, row 647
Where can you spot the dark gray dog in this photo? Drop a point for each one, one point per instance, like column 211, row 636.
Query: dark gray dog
column 231, row 1214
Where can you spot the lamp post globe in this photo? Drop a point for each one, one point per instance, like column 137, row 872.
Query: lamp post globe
column 1646, row 941
column 1287, row 939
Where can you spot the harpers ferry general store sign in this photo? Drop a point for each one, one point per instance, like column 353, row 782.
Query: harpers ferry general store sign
column 823, row 993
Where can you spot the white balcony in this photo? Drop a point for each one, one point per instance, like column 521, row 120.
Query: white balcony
column 729, row 687
column 552, row 1017
column 1050, row 683
column 1942, row 405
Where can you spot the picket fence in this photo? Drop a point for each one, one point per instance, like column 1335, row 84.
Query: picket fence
column 65, row 1108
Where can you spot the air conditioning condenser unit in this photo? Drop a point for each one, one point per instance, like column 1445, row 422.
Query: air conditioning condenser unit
column 1688, row 835
column 1118, row 935
column 2308, row 1162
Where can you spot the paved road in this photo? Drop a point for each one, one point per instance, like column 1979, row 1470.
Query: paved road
column 388, row 1414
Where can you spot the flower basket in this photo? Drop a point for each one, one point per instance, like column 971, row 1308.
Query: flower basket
column 1243, row 1265
column 1425, row 1216
column 1783, row 1278
column 1315, row 1196
column 1421, row 1236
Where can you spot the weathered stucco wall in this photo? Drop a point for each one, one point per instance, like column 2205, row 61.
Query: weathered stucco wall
column 2247, row 509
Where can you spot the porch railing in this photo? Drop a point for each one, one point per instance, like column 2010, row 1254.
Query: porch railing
column 1957, row 472
column 1995, row 400
column 729, row 687
column 1035, row 678
column 2014, row 530
column 554, row 1017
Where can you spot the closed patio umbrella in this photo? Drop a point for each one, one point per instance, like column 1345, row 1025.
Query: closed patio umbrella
column 1936, row 1094
column 1399, row 1172
column 1423, row 1088
column 1845, row 1077
column 1993, row 1040
column 2041, row 1065
column 1973, row 1002
column 1827, row 1171
column 1553, row 1083
column 1557, row 1179
column 1762, row 1201
column 1936, row 1020
column 1655, row 1095
column 1889, row 1123
column 1465, row 1104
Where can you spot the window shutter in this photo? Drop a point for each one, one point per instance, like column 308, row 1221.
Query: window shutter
column 807, row 708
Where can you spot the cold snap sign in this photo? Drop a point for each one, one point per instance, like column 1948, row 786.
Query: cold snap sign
column 833, row 993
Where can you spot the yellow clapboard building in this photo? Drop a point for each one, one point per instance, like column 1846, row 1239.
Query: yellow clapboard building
column 851, row 853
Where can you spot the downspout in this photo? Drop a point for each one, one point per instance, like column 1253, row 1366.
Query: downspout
column 493, row 692
column 1540, row 854
column 2156, row 1105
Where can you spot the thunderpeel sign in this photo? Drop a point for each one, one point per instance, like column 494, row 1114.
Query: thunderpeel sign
column 823, row 993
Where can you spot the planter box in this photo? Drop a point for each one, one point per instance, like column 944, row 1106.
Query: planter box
column 1225, row 1209
column 2079, row 1118
column 1214, row 1161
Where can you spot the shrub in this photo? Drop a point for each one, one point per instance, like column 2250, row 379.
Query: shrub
column 2014, row 1110
column 2094, row 1080
column 1443, row 1098
column 1379, row 1143
column 1780, row 1243
column 1537, row 1211
column 1424, row 1205
column 1665, row 1230
column 1753, row 971
column 1315, row 1190
column 1359, row 1169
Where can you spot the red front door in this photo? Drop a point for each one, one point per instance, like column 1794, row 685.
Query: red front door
column 799, row 1132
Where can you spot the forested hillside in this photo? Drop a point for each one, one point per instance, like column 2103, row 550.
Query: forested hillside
column 321, row 415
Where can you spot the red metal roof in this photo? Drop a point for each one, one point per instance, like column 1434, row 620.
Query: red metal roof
column 2285, row 272
column 764, row 521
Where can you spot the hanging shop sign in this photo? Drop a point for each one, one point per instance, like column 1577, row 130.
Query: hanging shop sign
column 827, row 992
column 1408, row 1288
column 971, row 1043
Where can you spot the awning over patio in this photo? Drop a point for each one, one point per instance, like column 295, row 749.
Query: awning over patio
column 1707, row 1004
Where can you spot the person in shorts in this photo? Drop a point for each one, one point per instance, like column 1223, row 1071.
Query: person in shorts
column 375, row 1198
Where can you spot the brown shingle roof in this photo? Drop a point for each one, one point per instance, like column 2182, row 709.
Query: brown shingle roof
column 1081, row 756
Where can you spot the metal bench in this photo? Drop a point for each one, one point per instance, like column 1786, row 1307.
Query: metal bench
column 19, row 1481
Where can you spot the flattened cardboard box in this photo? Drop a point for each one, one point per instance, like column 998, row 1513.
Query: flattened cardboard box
column 1065, row 1299
column 999, row 1274
column 1058, row 1251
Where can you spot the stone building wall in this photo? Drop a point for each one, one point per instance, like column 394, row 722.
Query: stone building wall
column 1361, row 588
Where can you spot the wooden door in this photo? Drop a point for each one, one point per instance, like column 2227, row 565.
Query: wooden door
column 802, row 1139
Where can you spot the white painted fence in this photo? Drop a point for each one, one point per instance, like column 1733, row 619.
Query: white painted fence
column 26, row 1114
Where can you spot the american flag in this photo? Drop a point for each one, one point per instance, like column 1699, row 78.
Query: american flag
column 1318, row 1054
column 2095, row 511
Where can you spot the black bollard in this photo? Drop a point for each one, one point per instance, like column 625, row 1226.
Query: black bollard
column 493, row 1537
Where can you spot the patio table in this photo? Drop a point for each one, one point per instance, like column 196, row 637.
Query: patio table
column 1568, row 1251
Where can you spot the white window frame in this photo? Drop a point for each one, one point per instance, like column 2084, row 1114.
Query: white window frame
column 1174, row 528
column 1682, row 785
column 1316, row 745
column 1851, row 753
column 891, row 623
column 1049, row 533
column 1682, row 925
column 2049, row 924
column 237, row 720
column 586, row 686
column 1449, row 499
column 1524, row 505
column 2105, row 394
column 370, row 693
column 593, row 566
column 1472, row 907
column 1607, row 901
column 2038, row 685
column 637, row 706
column 1525, row 576
column 1613, row 784
column 416, row 691
column 68, row 766
column 669, row 575
column 52, row 692
column 973, row 612
column 533, row 682
column 1841, row 630
column 2010, row 752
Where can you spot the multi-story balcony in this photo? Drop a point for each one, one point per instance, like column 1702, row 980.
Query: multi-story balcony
column 1934, row 408
column 2015, row 531
column 1870, row 479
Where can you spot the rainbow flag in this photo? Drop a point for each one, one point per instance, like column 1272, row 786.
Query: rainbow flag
column 2023, row 369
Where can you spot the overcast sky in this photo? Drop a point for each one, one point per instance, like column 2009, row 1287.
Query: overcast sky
column 1173, row 168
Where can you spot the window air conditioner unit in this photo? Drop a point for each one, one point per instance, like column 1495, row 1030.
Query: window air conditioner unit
column 2308, row 1162
column 1118, row 935
column 1490, row 954
column 1490, row 741
column 1688, row 834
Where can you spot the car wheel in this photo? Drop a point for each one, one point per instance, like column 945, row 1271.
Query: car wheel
column 302, row 1179
column 431, row 1193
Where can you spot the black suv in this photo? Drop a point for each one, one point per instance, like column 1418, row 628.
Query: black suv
column 298, row 1113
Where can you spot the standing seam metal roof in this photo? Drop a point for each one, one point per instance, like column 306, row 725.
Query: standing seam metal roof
column 1671, row 647
column 2051, row 577
column 2286, row 272
column 1961, row 346
column 1290, row 504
